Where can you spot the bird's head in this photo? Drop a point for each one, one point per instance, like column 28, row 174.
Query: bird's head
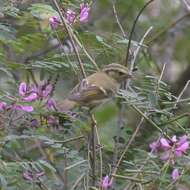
column 117, row 71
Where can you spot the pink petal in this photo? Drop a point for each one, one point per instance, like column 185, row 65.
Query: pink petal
column 27, row 175
column 2, row 106
column 23, row 108
column 182, row 140
column 22, row 89
column 175, row 174
column 53, row 22
column 105, row 182
column 174, row 139
column 70, row 16
column 31, row 97
column 164, row 144
column 51, row 104
column 47, row 90
column 165, row 156
column 154, row 146
column 84, row 12
column 39, row 174
column 181, row 149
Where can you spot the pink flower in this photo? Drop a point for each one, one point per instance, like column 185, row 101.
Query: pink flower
column 51, row 104
column 47, row 90
column 53, row 22
column 181, row 146
column 84, row 12
column 3, row 106
column 175, row 174
column 23, row 108
column 22, row 89
column 31, row 97
column 70, row 16
column 30, row 176
column 171, row 148
column 105, row 183
column 154, row 146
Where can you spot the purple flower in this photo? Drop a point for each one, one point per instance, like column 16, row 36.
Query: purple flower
column 181, row 146
column 30, row 176
column 23, row 108
column 175, row 174
column 53, row 22
column 175, row 147
column 3, row 106
column 51, row 104
column 47, row 90
column 34, row 123
column 70, row 16
column 105, row 183
column 154, row 146
column 22, row 89
column 31, row 97
column 84, row 12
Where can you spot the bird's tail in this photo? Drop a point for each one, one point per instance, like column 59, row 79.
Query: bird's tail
column 66, row 105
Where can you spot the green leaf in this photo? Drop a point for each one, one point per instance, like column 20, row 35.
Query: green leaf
column 42, row 11
column 48, row 165
column 6, row 33
column 3, row 182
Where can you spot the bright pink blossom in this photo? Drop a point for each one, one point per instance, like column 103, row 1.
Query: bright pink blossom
column 23, row 108
column 48, row 89
column 105, row 183
column 176, row 147
column 70, row 16
column 53, row 22
column 3, row 106
column 22, row 89
column 51, row 104
column 175, row 174
column 84, row 12
column 31, row 97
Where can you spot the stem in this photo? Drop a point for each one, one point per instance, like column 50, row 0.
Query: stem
column 71, row 38
column 133, row 29
column 93, row 148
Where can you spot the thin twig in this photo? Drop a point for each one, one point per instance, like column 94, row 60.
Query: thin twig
column 100, row 152
column 77, row 181
column 66, row 27
column 135, row 56
column 70, row 139
column 162, row 32
column 133, row 29
column 93, row 148
column 186, row 4
column 181, row 94
column 117, row 20
column 65, row 177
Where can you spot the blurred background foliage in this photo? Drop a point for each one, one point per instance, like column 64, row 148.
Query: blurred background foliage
column 30, row 49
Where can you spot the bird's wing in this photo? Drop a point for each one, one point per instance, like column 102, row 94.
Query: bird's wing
column 88, row 93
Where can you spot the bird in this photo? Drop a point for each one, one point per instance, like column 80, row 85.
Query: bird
column 96, row 88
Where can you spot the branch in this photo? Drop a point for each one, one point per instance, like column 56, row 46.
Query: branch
column 71, row 38
column 133, row 29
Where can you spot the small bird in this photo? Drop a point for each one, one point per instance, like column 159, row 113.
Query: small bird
column 96, row 88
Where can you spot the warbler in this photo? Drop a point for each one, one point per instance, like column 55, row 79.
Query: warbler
column 96, row 88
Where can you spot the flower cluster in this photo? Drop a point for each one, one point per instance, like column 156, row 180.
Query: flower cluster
column 29, row 94
column 170, row 150
column 72, row 16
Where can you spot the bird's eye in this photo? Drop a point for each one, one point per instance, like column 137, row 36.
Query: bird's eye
column 120, row 73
